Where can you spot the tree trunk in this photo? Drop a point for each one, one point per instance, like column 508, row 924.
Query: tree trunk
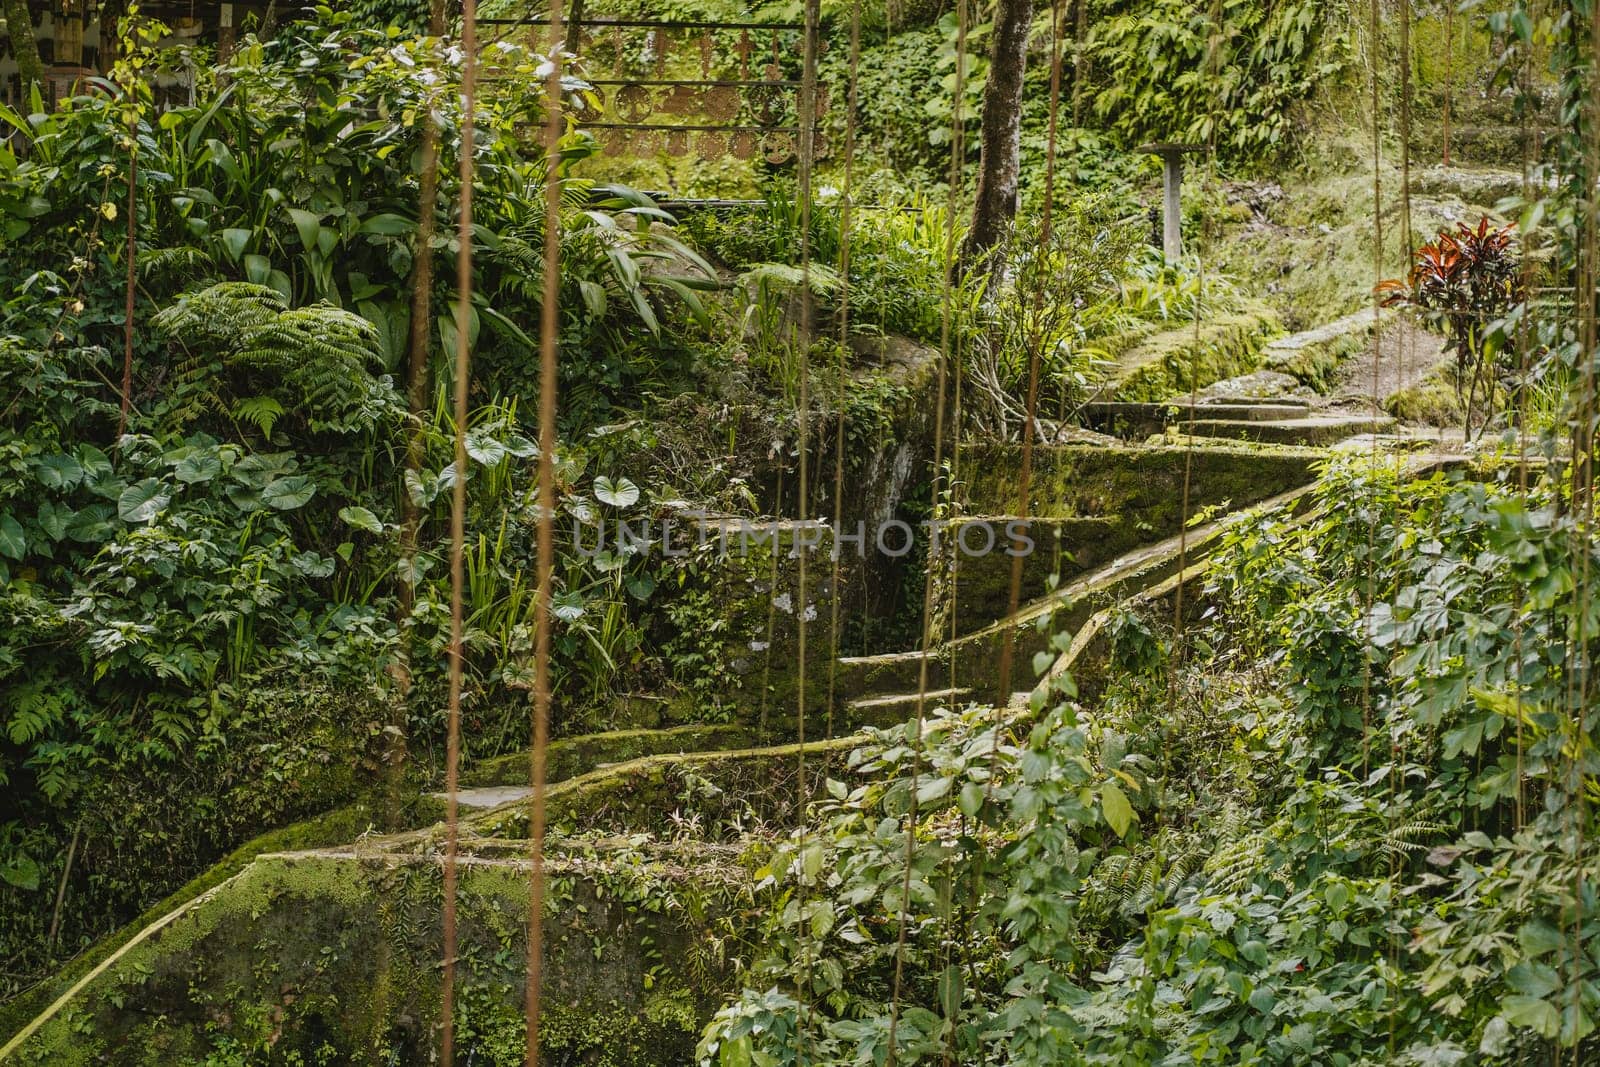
column 995, row 205
column 30, row 68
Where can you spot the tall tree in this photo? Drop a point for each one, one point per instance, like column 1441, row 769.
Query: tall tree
column 995, row 205
column 24, row 45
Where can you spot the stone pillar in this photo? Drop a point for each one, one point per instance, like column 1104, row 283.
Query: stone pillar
column 1171, row 154
column 1171, row 206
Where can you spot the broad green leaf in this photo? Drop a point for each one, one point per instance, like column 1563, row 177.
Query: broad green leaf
column 306, row 224
column 388, row 225
column 735, row 1053
column 234, row 242
column 143, row 500
column 361, row 519
column 12, row 541
column 811, row 860
column 1263, row 1001
column 934, row 789
column 21, row 872
column 1533, row 1013
column 286, row 494
column 952, row 990
column 567, row 606
column 59, row 471
column 483, row 449
column 257, row 269
column 197, row 468
column 1533, row 979
column 620, row 493
column 1118, row 812
column 53, row 519
column 91, row 525
column 1540, row 937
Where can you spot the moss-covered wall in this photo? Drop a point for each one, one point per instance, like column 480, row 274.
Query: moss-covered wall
column 335, row 959
column 1141, row 487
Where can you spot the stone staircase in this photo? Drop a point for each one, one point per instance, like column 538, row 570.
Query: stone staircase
column 1271, row 421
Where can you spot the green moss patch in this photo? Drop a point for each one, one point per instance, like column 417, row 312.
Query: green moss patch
column 335, row 959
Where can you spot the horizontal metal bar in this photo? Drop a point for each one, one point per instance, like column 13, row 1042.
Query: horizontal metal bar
column 691, row 129
column 666, row 203
column 716, row 84
column 641, row 24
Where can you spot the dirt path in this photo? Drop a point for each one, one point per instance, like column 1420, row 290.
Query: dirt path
column 1406, row 354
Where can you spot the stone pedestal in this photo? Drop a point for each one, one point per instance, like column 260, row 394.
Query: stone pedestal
column 1171, row 154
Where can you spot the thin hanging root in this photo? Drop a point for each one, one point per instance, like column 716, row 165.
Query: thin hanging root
column 846, row 221
column 458, row 520
column 928, row 629
column 1024, row 486
column 1375, row 48
column 1583, row 508
column 549, row 323
column 807, row 145
column 132, row 247
column 1213, row 59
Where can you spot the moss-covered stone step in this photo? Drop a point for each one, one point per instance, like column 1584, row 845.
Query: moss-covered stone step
column 973, row 660
column 1088, row 657
column 1140, row 420
column 568, row 757
column 1313, row 356
column 898, row 707
column 334, row 957
column 1187, row 358
column 1315, row 431
column 720, row 794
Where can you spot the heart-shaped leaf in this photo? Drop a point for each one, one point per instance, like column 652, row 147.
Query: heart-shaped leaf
column 362, row 519
column 21, row 872
column 91, row 525
column 53, row 519
column 620, row 493
column 485, row 449
column 60, row 471
column 567, row 606
column 12, row 542
column 286, row 494
column 197, row 468
column 143, row 500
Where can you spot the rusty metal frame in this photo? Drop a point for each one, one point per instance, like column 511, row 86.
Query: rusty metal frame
column 745, row 116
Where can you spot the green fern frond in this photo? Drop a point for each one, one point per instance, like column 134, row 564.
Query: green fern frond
column 315, row 361
column 219, row 315
column 262, row 412
column 824, row 280
column 168, row 265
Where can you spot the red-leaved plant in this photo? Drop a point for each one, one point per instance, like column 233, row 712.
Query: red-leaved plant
column 1462, row 283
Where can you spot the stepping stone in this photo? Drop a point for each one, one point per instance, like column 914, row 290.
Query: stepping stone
column 1257, row 387
column 896, row 708
column 1138, row 420
column 1316, row 430
column 491, row 796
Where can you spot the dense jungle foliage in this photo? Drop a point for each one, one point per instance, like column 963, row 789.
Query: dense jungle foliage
column 1354, row 839
column 1344, row 814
